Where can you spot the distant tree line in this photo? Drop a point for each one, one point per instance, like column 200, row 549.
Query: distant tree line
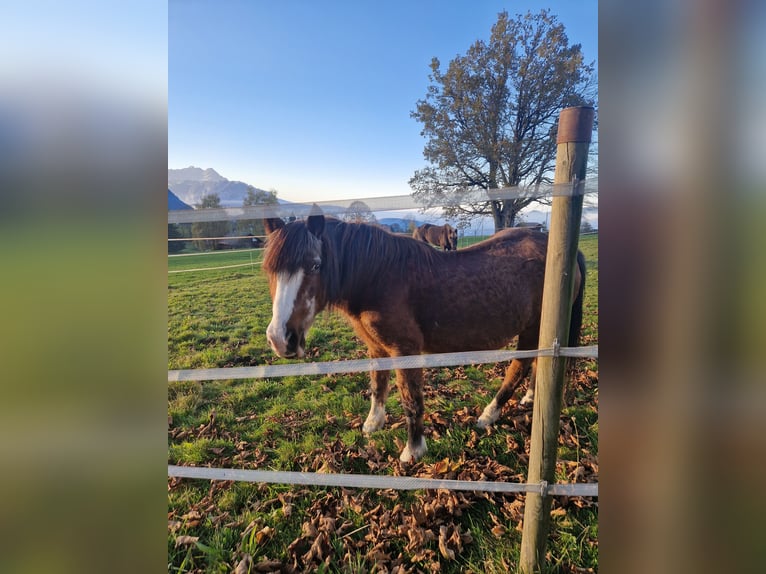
column 202, row 229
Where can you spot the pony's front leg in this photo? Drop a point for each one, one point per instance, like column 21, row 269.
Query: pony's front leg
column 410, row 385
column 379, row 386
column 514, row 374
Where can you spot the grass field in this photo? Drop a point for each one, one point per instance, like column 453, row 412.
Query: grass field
column 219, row 319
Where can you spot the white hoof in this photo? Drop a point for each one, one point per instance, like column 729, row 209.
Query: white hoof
column 489, row 416
column 411, row 454
column 376, row 420
column 528, row 398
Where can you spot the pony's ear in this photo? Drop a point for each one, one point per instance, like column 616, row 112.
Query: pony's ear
column 315, row 221
column 271, row 224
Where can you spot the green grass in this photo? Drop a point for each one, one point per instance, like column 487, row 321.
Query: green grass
column 219, row 319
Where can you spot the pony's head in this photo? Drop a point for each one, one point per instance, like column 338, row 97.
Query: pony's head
column 293, row 261
column 451, row 237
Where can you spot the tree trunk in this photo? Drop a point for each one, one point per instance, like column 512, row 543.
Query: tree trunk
column 497, row 215
column 503, row 214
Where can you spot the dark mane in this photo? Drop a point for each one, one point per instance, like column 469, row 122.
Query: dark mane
column 361, row 258
column 356, row 257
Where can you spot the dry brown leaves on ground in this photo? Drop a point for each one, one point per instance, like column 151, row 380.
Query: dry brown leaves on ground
column 387, row 531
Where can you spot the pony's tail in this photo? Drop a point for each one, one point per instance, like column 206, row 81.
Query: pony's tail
column 576, row 322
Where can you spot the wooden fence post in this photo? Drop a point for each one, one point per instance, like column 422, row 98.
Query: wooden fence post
column 573, row 139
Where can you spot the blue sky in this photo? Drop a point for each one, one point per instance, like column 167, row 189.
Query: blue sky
column 313, row 98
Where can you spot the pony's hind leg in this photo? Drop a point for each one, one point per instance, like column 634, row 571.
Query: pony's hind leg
column 514, row 374
column 410, row 385
column 376, row 420
column 529, row 396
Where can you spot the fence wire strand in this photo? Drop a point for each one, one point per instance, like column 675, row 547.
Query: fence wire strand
column 219, row 252
column 389, row 203
column 216, row 268
column 375, row 481
column 381, row 364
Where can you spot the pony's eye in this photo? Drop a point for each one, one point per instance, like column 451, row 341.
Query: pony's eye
column 315, row 267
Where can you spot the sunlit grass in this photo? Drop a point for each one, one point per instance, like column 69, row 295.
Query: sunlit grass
column 219, row 319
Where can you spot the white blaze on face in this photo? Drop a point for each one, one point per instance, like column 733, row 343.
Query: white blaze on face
column 282, row 308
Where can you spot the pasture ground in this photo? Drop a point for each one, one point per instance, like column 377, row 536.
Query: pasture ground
column 313, row 424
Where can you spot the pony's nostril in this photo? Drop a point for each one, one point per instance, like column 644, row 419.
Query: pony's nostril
column 291, row 340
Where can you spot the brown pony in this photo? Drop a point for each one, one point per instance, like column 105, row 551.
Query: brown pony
column 405, row 298
column 445, row 236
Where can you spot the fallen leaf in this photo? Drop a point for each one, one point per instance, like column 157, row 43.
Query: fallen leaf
column 248, row 528
column 318, row 549
column 579, row 473
column 418, row 514
column 263, row 534
column 309, row 530
column 216, row 520
column 446, row 552
column 247, row 418
column 372, row 512
column 243, row 567
column 268, row 566
column 174, row 525
column 442, row 466
column 191, row 515
column 186, row 540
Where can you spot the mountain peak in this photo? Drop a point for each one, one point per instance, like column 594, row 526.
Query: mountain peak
column 193, row 173
column 191, row 184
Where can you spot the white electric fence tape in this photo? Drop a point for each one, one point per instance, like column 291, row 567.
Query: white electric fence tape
column 215, row 268
column 375, row 482
column 382, row 364
column 390, row 203
column 220, row 252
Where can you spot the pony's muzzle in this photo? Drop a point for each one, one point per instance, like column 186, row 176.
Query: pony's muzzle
column 287, row 343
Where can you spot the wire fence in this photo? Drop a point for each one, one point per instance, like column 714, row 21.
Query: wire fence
column 219, row 252
column 377, row 481
column 225, row 252
column 388, row 203
column 251, row 264
column 379, row 364
column 340, row 207
column 212, row 238
column 584, row 489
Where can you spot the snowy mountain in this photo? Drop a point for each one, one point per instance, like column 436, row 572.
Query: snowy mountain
column 192, row 173
column 191, row 184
